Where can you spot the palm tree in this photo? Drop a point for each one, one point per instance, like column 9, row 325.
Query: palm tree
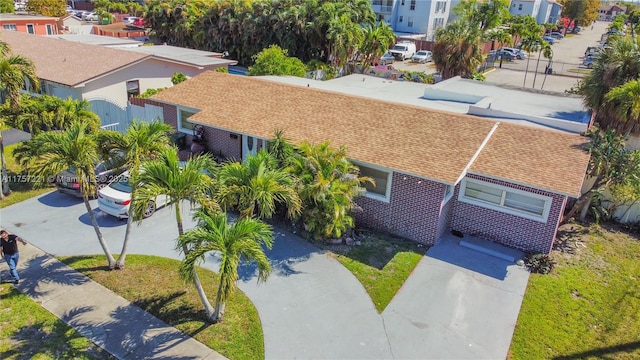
column 166, row 178
column 242, row 239
column 456, row 51
column 328, row 183
column 15, row 73
column 142, row 141
column 625, row 99
column 51, row 152
column 618, row 65
column 376, row 41
column 257, row 185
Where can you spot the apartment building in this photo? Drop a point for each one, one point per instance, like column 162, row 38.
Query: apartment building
column 413, row 16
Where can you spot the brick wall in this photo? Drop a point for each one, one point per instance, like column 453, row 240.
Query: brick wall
column 507, row 229
column 412, row 213
column 223, row 143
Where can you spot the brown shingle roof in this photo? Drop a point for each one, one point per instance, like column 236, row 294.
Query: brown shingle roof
column 541, row 158
column 433, row 144
column 82, row 62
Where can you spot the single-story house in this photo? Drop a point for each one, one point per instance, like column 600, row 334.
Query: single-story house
column 435, row 171
column 106, row 77
column 29, row 24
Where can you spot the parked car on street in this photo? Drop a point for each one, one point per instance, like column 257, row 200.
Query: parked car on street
column 556, row 35
column 92, row 16
column 590, row 60
column 501, row 54
column 140, row 22
column 130, row 19
column 387, row 58
column 549, row 39
column 422, row 56
column 517, row 53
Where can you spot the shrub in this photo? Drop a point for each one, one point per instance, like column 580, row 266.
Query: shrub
column 539, row 263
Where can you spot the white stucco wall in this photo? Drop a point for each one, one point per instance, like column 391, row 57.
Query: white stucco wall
column 150, row 73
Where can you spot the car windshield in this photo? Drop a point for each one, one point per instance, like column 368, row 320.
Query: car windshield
column 421, row 53
column 400, row 47
column 121, row 185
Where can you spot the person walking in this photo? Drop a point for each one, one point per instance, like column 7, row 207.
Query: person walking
column 9, row 251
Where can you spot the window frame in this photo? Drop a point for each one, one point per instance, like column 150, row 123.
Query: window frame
column 371, row 195
column 49, row 29
column 132, row 93
column 412, row 5
column 462, row 197
column 400, row 18
column 10, row 27
column 410, row 22
column 33, row 28
column 180, row 110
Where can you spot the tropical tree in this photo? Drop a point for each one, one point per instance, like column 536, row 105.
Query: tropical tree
column 344, row 37
column 280, row 149
column 580, row 12
column 16, row 72
column 618, row 64
column 7, row 7
column 456, row 51
column 328, row 184
column 274, row 61
column 377, row 39
column 257, row 185
column 611, row 164
column 625, row 100
column 485, row 15
column 242, row 239
column 48, row 153
column 55, row 8
column 168, row 179
column 141, row 142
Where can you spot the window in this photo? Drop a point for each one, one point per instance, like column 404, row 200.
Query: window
column 413, row 5
column 444, row 6
column 50, row 29
column 505, row 199
column 402, row 3
column 133, row 88
column 410, row 22
column 9, row 27
column 519, row 7
column 377, row 2
column 382, row 178
column 183, row 117
column 31, row 29
column 400, row 18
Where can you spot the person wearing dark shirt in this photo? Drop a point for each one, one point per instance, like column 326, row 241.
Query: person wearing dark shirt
column 9, row 251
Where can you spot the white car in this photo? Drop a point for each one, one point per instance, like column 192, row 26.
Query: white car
column 129, row 19
column 422, row 56
column 92, row 16
column 115, row 199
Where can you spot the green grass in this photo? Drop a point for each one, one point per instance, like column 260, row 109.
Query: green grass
column 589, row 306
column 28, row 331
column 381, row 263
column 22, row 188
column 153, row 284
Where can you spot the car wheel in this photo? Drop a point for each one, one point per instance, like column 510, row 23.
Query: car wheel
column 150, row 209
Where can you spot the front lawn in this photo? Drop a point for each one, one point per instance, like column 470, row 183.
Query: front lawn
column 381, row 263
column 589, row 307
column 22, row 187
column 153, row 284
column 29, row 331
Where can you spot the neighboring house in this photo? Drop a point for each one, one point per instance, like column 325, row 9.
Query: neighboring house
column 70, row 24
column 30, row 24
column 608, row 12
column 549, row 12
column 525, row 7
column 106, row 77
column 435, row 171
column 413, row 16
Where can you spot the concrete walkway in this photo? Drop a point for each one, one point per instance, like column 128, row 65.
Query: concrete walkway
column 110, row 321
column 456, row 304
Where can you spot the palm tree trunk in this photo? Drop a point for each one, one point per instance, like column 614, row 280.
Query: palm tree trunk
column 96, row 227
column 219, row 312
column 535, row 74
column 526, row 70
column 127, row 233
column 196, row 280
column 4, row 188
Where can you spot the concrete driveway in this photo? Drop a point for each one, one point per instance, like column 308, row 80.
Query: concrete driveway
column 456, row 304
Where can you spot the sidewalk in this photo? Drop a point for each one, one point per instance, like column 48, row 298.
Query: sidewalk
column 110, row 321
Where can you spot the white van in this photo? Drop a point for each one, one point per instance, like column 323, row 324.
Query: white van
column 403, row 50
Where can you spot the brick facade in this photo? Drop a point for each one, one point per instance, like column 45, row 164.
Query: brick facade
column 223, row 143
column 412, row 213
column 507, row 229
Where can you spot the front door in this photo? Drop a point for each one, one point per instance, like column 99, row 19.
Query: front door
column 249, row 146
